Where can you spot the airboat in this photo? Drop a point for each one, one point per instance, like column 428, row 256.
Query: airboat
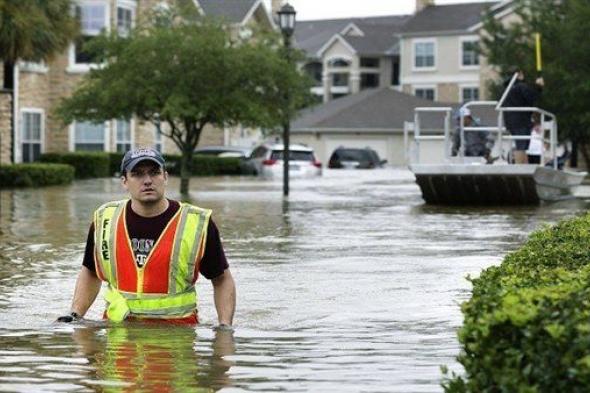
column 462, row 180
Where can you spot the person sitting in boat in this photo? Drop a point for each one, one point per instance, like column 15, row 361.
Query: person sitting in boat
column 477, row 143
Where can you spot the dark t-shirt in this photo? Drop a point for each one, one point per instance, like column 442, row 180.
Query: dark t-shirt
column 521, row 95
column 145, row 231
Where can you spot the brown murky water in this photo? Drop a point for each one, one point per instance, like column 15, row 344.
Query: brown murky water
column 351, row 285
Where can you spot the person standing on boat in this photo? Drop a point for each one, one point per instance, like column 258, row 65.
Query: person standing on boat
column 150, row 250
column 520, row 123
column 536, row 144
column 477, row 143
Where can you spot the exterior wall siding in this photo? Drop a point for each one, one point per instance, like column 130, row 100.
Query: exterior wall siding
column 448, row 75
column 389, row 146
column 5, row 127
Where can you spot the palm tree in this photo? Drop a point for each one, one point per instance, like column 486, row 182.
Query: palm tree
column 33, row 30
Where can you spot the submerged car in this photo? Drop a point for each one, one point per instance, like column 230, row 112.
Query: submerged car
column 355, row 158
column 267, row 160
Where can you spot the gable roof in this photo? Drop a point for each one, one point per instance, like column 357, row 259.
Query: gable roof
column 311, row 36
column 383, row 109
column 378, row 39
column 336, row 38
column 233, row 11
column 377, row 109
column 447, row 18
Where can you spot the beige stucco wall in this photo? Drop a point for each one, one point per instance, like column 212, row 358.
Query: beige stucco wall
column 389, row 146
column 447, row 76
column 5, row 119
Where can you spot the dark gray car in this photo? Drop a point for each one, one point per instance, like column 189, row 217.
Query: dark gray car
column 355, row 158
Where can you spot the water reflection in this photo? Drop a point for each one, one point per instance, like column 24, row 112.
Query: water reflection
column 155, row 358
column 350, row 284
column 126, row 358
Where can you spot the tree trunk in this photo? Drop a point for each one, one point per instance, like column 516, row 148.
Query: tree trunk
column 8, row 75
column 185, row 172
column 583, row 148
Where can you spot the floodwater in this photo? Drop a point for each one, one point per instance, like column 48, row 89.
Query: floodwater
column 352, row 285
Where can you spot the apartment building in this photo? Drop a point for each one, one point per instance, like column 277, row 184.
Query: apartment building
column 431, row 54
column 346, row 56
column 439, row 53
column 39, row 87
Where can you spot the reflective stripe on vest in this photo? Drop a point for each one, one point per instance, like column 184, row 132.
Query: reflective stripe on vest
column 177, row 252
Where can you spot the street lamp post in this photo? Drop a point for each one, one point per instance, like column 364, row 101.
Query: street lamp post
column 287, row 25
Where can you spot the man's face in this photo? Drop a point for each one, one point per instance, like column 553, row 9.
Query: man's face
column 146, row 182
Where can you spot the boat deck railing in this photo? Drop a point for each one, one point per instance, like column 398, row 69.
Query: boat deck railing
column 548, row 123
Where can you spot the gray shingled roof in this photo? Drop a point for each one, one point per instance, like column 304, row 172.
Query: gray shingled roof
column 375, row 109
column 233, row 11
column 310, row 36
column 377, row 39
column 452, row 17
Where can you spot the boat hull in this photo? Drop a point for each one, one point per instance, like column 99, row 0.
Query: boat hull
column 475, row 184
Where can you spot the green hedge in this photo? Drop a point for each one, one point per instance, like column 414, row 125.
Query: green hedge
column 87, row 164
column 90, row 165
column 115, row 163
column 35, row 175
column 203, row 165
column 527, row 325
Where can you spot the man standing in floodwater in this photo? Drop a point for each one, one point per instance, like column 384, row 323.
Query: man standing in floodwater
column 520, row 123
column 150, row 250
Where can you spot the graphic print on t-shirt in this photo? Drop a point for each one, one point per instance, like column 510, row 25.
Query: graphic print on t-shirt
column 141, row 250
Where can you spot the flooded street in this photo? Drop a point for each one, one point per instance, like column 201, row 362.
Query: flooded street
column 353, row 285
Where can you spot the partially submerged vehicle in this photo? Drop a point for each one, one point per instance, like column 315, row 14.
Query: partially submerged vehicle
column 462, row 180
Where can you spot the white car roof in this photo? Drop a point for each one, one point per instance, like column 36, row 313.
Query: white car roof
column 291, row 147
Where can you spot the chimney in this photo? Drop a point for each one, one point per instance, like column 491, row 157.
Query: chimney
column 275, row 6
column 421, row 4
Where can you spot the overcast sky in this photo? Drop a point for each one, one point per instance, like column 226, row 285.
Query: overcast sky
column 328, row 9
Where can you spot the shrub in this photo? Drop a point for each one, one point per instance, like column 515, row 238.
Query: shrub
column 527, row 325
column 86, row 164
column 35, row 175
column 115, row 163
column 203, row 165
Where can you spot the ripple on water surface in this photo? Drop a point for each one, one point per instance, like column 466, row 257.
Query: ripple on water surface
column 353, row 284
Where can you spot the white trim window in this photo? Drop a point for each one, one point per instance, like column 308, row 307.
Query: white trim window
column 123, row 136
column 469, row 53
column 425, row 92
column 32, row 131
column 89, row 136
column 340, row 79
column 424, row 55
column 94, row 19
column 339, row 62
column 125, row 17
column 469, row 93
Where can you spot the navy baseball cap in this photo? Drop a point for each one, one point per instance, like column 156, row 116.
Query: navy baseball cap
column 134, row 157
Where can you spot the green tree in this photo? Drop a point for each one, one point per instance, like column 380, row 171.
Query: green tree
column 182, row 74
column 564, row 27
column 33, row 30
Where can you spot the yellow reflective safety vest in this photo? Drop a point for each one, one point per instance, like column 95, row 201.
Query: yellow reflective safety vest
column 164, row 286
